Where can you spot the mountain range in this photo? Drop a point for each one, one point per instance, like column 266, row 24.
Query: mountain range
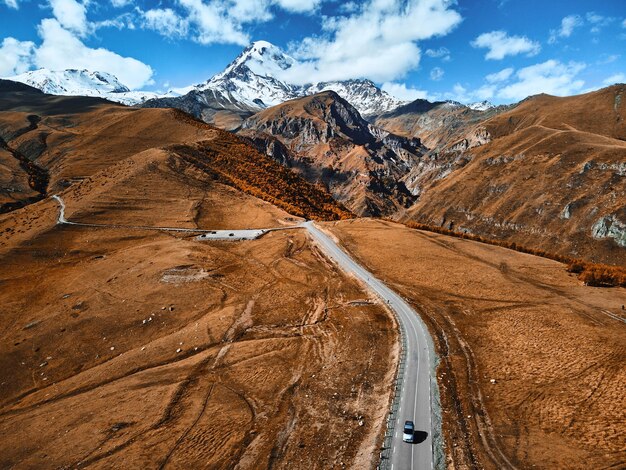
column 248, row 84
column 418, row 161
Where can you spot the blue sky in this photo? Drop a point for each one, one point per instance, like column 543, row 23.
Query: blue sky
column 468, row 50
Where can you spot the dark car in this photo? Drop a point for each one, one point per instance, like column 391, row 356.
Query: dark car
column 409, row 431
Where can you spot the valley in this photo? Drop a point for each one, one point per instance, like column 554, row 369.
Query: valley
column 124, row 345
column 531, row 361
column 225, row 275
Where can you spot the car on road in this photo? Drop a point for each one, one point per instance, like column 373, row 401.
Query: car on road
column 409, row 431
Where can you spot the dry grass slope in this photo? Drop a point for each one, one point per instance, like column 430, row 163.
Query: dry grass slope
column 592, row 274
column 552, row 173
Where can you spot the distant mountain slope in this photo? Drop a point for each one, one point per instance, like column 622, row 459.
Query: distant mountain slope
column 324, row 137
column 208, row 105
column 551, row 173
column 73, row 82
column 440, row 124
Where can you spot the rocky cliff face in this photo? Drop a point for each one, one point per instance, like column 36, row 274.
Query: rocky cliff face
column 324, row 137
column 442, row 125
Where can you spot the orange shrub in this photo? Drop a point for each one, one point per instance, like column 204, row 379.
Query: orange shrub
column 231, row 161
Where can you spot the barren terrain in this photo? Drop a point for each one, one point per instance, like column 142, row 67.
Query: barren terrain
column 127, row 347
column 144, row 348
column 532, row 362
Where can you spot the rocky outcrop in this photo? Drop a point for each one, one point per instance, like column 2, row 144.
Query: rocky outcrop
column 327, row 140
column 610, row 227
column 548, row 173
column 442, row 126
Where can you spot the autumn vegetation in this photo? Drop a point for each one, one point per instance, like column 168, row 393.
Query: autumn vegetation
column 233, row 162
column 592, row 274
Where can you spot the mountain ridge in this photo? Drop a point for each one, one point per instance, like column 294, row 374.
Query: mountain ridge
column 326, row 139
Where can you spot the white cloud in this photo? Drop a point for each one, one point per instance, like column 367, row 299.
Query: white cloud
column 442, row 53
column 60, row 50
column 15, row 56
column 400, row 91
column 436, row 74
column 568, row 24
column 125, row 20
column 500, row 45
column 223, row 21
column 379, row 42
column 617, row 78
column 11, row 3
column 463, row 95
column 501, row 76
column 598, row 21
column 166, row 22
column 460, row 93
column 485, row 92
column 571, row 22
column 298, row 6
column 213, row 24
column 607, row 59
column 348, row 7
column 552, row 77
column 71, row 15
column 624, row 23
column 121, row 3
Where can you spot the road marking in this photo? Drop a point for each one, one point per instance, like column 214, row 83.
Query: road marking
column 415, row 340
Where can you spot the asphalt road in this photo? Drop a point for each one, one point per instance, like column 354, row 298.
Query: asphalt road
column 415, row 395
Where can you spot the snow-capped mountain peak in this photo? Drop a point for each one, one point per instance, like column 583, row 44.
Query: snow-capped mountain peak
column 72, row 82
column 480, row 106
column 261, row 58
column 254, row 78
column 252, row 81
column 364, row 95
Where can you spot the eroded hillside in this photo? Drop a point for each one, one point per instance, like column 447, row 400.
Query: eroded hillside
column 326, row 140
column 550, row 174
column 68, row 139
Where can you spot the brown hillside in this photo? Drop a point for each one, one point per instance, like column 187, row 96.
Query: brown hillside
column 94, row 134
column 601, row 112
column 552, row 177
column 126, row 346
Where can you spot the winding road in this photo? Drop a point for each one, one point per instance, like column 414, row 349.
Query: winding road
column 415, row 393
column 232, row 235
